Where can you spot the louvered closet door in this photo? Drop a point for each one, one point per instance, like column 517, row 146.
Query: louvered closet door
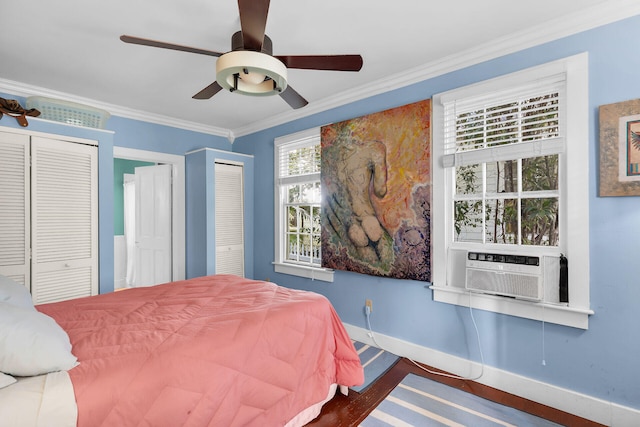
column 64, row 233
column 14, row 207
column 229, row 222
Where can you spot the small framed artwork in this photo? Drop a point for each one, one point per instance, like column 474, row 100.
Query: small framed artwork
column 620, row 149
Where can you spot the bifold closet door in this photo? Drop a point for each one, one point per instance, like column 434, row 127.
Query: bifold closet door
column 229, row 221
column 64, row 218
column 15, row 190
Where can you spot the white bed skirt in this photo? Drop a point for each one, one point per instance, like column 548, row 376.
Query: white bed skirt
column 309, row 414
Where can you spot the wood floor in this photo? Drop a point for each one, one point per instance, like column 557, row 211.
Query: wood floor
column 349, row 411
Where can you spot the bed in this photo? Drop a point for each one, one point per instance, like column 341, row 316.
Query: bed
column 211, row 351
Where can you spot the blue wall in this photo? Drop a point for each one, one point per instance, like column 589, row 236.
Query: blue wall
column 150, row 137
column 163, row 139
column 601, row 361
column 201, row 237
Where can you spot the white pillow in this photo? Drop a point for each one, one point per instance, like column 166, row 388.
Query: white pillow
column 14, row 293
column 6, row 380
column 32, row 343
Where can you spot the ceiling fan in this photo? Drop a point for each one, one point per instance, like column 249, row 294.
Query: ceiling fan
column 250, row 68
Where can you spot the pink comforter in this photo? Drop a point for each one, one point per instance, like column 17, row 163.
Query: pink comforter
column 211, row 351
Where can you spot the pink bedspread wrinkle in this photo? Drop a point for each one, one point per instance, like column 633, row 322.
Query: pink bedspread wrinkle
column 211, row 351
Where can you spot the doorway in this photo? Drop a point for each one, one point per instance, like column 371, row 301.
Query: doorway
column 146, row 273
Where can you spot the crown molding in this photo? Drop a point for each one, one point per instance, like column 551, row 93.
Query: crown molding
column 605, row 13
column 608, row 12
column 25, row 90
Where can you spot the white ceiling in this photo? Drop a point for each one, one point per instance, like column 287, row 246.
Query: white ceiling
column 70, row 49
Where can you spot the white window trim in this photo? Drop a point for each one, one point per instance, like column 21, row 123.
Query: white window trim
column 279, row 264
column 576, row 313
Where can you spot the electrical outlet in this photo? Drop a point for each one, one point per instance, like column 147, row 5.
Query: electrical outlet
column 369, row 305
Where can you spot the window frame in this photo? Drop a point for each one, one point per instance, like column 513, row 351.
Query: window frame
column 485, row 138
column 574, row 197
column 280, row 263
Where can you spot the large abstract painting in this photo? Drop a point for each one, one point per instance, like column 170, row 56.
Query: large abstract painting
column 376, row 187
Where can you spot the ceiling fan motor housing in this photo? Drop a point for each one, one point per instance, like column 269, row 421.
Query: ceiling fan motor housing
column 237, row 43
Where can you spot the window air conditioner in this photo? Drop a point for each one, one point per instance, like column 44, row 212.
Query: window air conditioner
column 516, row 276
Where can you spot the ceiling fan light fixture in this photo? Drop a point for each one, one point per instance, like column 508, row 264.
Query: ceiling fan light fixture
column 252, row 77
column 258, row 74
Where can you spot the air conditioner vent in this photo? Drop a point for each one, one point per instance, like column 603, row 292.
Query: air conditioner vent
column 518, row 276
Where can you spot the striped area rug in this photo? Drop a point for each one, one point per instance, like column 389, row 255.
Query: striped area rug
column 374, row 361
column 418, row 401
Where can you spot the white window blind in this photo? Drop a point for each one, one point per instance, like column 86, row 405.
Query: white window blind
column 299, row 161
column 521, row 122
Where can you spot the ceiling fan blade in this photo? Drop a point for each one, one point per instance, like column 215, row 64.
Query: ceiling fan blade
column 208, row 91
column 293, row 98
column 253, row 20
column 323, row 62
column 163, row 45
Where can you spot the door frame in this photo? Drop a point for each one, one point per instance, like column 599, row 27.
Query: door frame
column 178, row 201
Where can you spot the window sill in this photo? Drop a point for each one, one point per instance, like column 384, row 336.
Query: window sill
column 550, row 313
column 313, row 273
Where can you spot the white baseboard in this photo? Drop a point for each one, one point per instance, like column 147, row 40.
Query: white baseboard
column 582, row 405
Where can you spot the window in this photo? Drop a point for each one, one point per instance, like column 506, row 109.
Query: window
column 511, row 176
column 504, row 152
column 297, row 206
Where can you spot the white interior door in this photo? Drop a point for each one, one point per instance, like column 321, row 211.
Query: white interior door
column 129, row 208
column 153, row 225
